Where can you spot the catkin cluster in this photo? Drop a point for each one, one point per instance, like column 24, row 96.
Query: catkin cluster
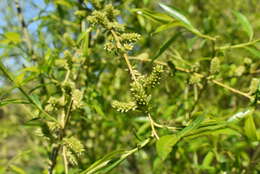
column 106, row 18
column 140, row 91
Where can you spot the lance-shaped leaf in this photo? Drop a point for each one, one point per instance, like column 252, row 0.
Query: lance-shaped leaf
column 250, row 129
column 183, row 21
column 165, row 45
column 247, row 27
column 164, row 144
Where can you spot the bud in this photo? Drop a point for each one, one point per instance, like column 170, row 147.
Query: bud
column 247, row 61
column 214, row 65
column 240, row 70
column 195, row 79
column 254, row 85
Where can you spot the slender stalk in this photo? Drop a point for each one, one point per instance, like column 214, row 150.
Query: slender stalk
column 154, row 133
column 238, row 45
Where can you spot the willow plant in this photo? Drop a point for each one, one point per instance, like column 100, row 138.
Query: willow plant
column 131, row 87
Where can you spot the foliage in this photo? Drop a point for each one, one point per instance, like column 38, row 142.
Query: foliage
column 129, row 87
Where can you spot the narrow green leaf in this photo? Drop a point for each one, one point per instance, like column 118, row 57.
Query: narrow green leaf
column 36, row 101
column 63, row 3
column 104, row 161
column 183, row 21
column 13, row 37
column 177, row 15
column 253, row 51
column 19, row 79
column 247, row 27
column 17, row 170
column 192, row 126
column 155, row 16
column 113, row 159
column 165, row 45
column 250, row 129
column 167, row 26
column 208, row 159
column 164, row 145
column 12, row 101
column 84, row 40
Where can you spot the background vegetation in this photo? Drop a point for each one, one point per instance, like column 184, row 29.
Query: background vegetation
column 133, row 86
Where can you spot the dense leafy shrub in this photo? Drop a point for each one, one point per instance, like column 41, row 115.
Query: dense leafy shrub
column 130, row 86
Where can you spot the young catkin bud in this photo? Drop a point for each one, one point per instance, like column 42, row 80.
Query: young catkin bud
column 214, row 65
column 124, row 106
column 247, row 61
column 194, row 79
column 154, row 78
column 254, row 85
column 139, row 94
column 240, row 70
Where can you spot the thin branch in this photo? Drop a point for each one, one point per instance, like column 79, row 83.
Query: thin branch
column 65, row 160
column 118, row 44
column 24, row 27
column 236, row 91
column 238, row 45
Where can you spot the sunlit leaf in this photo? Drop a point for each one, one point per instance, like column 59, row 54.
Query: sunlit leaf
column 183, row 20
column 13, row 37
column 167, row 26
column 155, row 16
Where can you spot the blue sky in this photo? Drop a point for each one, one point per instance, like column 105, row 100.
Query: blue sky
column 29, row 12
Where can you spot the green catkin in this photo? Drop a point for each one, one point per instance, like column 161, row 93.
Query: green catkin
column 111, row 12
column 254, row 85
column 214, row 65
column 68, row 39
column 154, row 78
column 139, row 94
column 124, row 106
column 240, row 70
column 247, row 61
column 77, row 97
column 74, row 144
column 130, row 37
